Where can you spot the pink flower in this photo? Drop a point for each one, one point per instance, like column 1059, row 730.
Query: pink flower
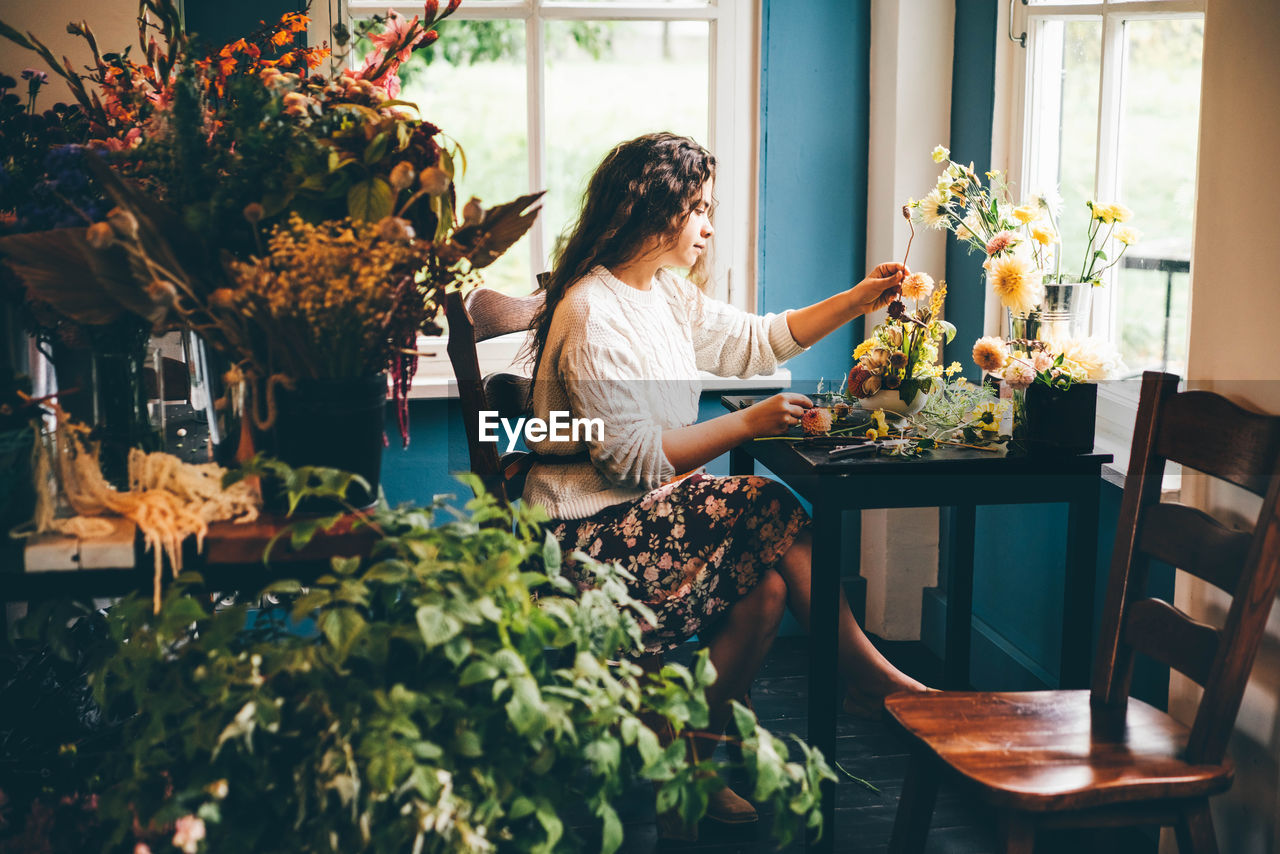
column 1002, row 241
column 1018, row 374
column 189, row 830
column 1041, row 361
column 394, row 34
column 142, row 848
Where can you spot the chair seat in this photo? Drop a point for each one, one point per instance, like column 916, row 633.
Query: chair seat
column 1037, row 752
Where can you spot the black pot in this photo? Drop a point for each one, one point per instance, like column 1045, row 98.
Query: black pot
column 1060, row 421
column 331, row 423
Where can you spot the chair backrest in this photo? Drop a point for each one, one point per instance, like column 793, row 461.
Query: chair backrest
column 1210, row 434
column 485, row 314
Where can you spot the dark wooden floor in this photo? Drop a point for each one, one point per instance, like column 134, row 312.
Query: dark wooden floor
column 875, row 751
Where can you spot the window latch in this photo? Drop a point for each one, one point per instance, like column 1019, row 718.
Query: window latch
column 1022, row 39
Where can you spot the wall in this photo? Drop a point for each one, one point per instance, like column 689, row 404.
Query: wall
column 114, row 24
column 1235, row 301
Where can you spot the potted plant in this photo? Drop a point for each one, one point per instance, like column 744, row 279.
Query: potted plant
column 420, row 699
column 1054, row 388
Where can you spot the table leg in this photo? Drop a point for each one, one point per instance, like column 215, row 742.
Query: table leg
column 1079, row 584
column 740, row 462
column 959, row 625
column 824, row 610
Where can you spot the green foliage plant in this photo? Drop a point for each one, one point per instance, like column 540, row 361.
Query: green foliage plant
column 459, row 694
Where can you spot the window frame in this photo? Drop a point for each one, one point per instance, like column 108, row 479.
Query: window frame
column 1117, row 402
column 733, row 112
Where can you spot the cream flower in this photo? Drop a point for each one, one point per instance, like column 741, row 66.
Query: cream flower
column 1041, row 361
column 189, row 830
column 933, row 208
column 940, row 154
column 1018, row 374
column 1127, row 236
column 968, row 227
column 1026, row 213
column 917, row 286
column 989, row 354
column 1016, row 281
column 1097, row 359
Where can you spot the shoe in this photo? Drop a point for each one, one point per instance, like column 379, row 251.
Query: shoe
column 725, row 806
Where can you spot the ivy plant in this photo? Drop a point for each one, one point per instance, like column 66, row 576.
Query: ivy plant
column 457, row 693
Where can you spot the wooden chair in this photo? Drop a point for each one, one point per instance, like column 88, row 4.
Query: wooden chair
column 485, row 314
column 1101, row 758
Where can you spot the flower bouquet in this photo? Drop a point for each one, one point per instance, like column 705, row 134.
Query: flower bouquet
column 1022, row 245
column 1053, row 386
column 896, row 368
column 206, row 154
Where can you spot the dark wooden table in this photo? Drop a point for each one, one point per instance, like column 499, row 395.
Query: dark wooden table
column 958, row 480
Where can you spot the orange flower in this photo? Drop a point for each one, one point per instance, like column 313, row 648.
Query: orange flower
column 282, row 38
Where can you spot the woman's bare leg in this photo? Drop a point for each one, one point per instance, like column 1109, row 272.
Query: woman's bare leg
column 863, row 667
column 740, row 644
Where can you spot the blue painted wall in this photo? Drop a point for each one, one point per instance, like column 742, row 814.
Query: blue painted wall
column 814, row 97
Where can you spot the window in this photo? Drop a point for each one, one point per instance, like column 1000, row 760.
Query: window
column 1111, row 93
column 537, row 92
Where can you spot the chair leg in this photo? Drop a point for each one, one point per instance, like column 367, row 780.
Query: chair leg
column 1017, row 833
column 915, row 808
column 1194, row 830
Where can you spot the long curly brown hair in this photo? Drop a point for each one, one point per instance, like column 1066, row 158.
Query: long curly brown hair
column 644, row 188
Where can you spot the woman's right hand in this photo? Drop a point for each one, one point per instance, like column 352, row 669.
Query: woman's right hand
column 776, row 415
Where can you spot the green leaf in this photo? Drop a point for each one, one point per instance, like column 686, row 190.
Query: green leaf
column 478, row 671
column 612, row 830
column 342, row 627
column 949, row 330
column 435, row 626
column 370, row 200
column 377, row 148
column 551, row 554
column 468, row 743
column 520, row 808
column 551, row 824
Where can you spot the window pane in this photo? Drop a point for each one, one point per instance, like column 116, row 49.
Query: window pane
column 649, row 76
column 474, row 90
column 1158, row 138
column 1066, row 115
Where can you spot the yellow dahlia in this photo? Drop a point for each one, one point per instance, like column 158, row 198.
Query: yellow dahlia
column 1026, row 213
column 1016, row 280
column 989, row 354
column 1127, row 236
column 864, row 348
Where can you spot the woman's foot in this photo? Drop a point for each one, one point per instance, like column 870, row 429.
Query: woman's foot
column 868, row 702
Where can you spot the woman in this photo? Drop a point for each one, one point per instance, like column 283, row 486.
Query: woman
column 621, row 339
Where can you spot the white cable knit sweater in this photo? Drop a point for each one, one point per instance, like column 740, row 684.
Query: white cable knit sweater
column 631, row 358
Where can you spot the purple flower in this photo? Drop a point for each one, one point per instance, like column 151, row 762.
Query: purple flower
column 35, row 75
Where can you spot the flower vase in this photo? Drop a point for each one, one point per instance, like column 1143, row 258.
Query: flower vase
column 890, row 400
column 107, row 391
column 1062, row 314
column 332, row 423
column 1049, row 420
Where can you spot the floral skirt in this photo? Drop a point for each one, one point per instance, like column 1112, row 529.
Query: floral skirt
column 695, row 547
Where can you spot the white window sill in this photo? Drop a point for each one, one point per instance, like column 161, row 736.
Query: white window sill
column 435, row 380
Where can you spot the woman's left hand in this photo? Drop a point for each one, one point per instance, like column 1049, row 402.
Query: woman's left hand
column 881, row 286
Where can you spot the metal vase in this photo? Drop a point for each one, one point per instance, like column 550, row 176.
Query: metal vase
column 1063, row 313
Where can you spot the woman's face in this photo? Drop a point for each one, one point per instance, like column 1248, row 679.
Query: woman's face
column 694, row 236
